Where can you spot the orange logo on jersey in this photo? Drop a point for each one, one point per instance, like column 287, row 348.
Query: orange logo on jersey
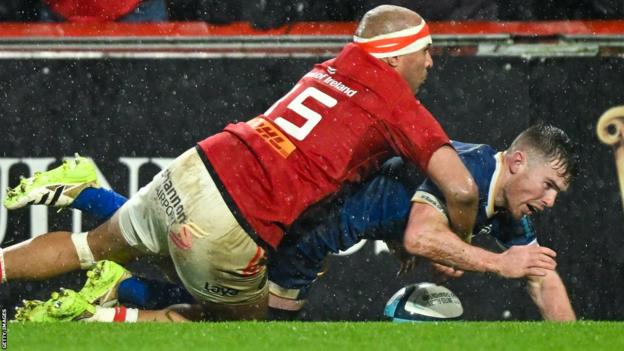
column 273, row 136
column 183, row 239
column 257, row 264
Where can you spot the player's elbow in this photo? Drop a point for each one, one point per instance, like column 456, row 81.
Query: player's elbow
column 463, row 192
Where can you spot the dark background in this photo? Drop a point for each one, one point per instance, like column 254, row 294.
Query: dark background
column 275, row 13
column 158, row 108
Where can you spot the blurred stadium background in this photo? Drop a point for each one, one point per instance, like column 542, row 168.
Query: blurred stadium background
column 132, row 94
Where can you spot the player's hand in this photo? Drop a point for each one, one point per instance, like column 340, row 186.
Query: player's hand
column 442, row 273
column 408, row 261
column 524, row 261
column 408, row 264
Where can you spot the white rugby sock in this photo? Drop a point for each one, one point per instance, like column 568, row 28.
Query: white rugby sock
column 114, row 314
column 83, row 250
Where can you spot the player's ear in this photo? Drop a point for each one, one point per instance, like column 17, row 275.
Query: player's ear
column 392, row 61
column 517, row 161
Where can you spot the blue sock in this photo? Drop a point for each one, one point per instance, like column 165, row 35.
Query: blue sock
column 99, row 202
column 151, row 294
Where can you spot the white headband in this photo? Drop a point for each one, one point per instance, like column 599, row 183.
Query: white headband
column 398, row 43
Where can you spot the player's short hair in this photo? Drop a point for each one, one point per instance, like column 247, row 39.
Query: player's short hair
column 551, row 143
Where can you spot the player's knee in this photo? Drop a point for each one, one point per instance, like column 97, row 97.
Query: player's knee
column 85, row 255
column 106, row 242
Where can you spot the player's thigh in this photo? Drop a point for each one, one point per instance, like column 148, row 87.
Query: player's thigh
column 108, row 243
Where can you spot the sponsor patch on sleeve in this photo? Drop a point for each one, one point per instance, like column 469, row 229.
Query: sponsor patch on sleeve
column 272, row 136
column 427, row 198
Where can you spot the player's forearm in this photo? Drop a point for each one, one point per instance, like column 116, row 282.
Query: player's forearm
column 445, row 247
column 550, row 296
column 165, row 316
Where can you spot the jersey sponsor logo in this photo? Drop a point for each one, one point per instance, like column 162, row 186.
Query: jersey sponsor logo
column 485, row 229
column 169, row 199
column 330, row 81
column 272, row 136
column 220, row 290
column 426, row 198
column 256, row 264
column 182, row 239
column 331, row 70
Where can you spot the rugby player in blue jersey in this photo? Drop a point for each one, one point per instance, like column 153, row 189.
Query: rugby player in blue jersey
column 513, row 185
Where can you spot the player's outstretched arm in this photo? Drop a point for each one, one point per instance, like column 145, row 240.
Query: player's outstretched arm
column 448, row 172
column 428, row 234
column 550, row 296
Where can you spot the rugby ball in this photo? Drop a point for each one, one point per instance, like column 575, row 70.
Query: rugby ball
column 423, row 302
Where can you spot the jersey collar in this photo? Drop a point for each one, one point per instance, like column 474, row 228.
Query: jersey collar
column 490, row 210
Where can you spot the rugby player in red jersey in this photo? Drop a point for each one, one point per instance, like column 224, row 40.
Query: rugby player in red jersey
column 217, row 207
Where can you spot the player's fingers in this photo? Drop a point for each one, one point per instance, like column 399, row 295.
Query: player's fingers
column 547, row 251
column 547, row 260
column 455, row 274
column 535, row 272
column 443, row 269
column 543, row 263
column 401, row 270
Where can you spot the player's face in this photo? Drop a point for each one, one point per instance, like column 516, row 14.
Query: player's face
column 413, row 67
column 534, row 188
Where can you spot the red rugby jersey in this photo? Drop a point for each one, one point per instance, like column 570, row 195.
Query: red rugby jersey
column 88, row 11
column 338, row 124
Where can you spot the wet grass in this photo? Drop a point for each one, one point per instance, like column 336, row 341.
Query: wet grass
column 317, row 336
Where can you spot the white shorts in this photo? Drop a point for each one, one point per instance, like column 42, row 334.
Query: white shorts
column 181, row 213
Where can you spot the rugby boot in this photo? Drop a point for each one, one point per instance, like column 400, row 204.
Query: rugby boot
column 68, row 305
column 57, row 187
column 102, row 283
column 31, row 311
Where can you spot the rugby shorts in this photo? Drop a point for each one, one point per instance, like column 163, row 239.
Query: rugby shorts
column 181, row 213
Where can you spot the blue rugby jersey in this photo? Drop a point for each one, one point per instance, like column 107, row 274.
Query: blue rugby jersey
column 378, row 210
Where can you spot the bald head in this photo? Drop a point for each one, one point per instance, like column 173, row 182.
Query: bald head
column 386, row 19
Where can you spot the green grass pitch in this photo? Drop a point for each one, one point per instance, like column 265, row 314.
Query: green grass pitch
column 317, row 336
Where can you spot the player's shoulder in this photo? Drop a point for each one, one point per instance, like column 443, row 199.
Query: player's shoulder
column 480, row 160
column 479, row 151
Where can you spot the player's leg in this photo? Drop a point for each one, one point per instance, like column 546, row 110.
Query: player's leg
column 107, row 282
column 55, row 253
column 182, row 210
column 138, row 228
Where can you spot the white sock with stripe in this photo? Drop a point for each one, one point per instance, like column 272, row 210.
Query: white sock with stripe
column 119, row 314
